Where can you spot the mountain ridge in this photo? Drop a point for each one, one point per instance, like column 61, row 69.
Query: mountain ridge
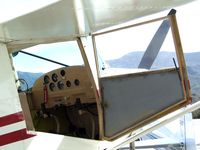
column 164, row 59
column 135, row 57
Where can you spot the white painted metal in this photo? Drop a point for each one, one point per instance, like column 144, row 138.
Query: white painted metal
column 196, row 125
column 48, row 141
column 57, row 22
column 9, row 99
column 80, row 17
column 156, row 143
column 19, row 8
column 12, row 127
column 190, row 143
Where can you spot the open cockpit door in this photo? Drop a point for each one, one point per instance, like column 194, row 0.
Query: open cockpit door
column 156, row 82
column 135, row 99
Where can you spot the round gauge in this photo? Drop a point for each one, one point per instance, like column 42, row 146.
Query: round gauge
column 54, row 77
column 52, row 86
column 46, row 79
column 76, row 82
column 62, row 72
column 68, row 83
column 60, row 85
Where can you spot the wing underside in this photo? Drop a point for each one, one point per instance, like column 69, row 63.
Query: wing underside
column 61, row 21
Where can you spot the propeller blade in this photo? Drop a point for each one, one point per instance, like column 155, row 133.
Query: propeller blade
column 154, row 46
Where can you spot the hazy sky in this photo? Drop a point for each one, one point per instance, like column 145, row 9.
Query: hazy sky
column 189, row 26
column 66, row 52
column 187, row 17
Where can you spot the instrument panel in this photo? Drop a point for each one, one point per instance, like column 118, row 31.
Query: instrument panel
column 63, row 86
column 57, row 81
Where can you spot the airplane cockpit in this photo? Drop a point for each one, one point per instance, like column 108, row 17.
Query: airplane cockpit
column 96, row 100
column 66, row 97
column 61, row 99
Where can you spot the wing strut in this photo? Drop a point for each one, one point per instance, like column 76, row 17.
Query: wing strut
column 155, row 44
column 44, row 58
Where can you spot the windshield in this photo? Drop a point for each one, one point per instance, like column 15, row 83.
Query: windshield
column 31, row 68
column 145, row 47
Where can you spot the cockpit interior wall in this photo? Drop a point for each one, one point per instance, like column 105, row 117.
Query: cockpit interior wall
column 63, row 102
